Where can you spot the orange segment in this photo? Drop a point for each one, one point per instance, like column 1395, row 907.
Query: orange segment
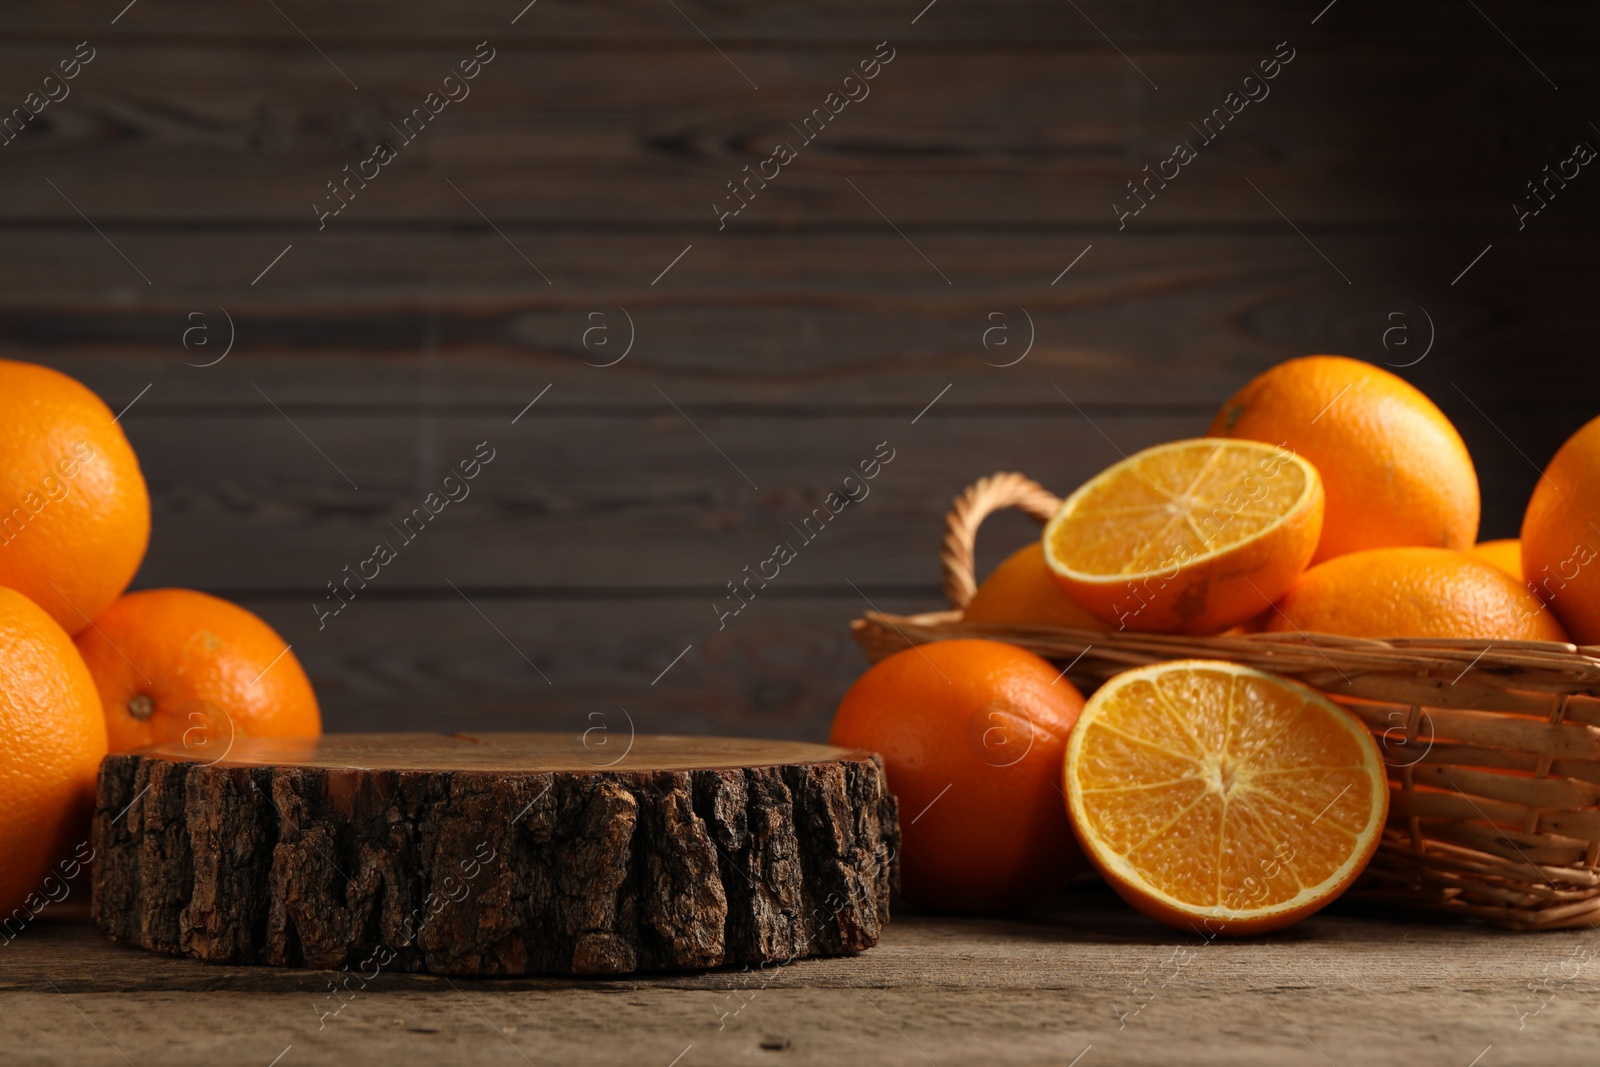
column 1189, row 537
column 1207, row 792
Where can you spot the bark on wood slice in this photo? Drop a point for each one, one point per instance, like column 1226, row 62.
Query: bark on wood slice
column 495, row 854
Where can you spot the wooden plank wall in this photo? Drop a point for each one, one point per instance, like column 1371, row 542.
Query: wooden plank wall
column 561, row 214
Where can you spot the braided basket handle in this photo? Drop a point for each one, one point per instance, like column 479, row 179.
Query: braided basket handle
column 980, row 500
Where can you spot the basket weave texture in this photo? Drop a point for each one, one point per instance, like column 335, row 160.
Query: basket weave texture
column 1492, row 747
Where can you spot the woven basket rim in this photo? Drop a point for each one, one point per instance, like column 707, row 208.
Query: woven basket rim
column 1497, row 817
column 1545, row 665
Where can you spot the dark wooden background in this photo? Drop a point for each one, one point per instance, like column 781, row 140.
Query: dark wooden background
column 798, row 338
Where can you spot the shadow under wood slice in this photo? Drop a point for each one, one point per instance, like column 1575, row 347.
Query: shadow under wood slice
column 500, row 854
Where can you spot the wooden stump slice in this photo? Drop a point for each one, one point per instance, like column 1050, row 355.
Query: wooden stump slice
column 495, row 854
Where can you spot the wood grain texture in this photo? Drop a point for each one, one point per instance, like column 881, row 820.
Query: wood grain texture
column 404, row 663
column 790, row 24
column 494, row 853
column 565, row 137
column 1083, row 970
column 399, row 329
column 838, row 321
column 586, row 503
column 666, row 500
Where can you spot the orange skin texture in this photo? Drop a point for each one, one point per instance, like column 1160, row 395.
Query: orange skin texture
column 1561, row 535
column 990, row 722
column 1414, row 592
column 1505, row 554
column 74, row 509
column 54, row 738
column 1211, row 595
column 1021, row 590
column 201, row 667
column 1395, row 470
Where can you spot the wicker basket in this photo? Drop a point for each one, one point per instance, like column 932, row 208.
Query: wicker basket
column 1493, row 748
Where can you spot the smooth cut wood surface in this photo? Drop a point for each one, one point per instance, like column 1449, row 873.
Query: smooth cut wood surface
column 1082, row 971
column 487, row 753
column 493, row 853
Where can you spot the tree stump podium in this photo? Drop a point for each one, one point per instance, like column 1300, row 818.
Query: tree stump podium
column 495, row 854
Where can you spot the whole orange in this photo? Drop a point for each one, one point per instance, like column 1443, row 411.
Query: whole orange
column 1505, row 554
column 52, row 738
column 1022, row 591
column 1413, row 592
column 1561, row 535
column 74, row 510
column 972, row 734
column 175, row 665
column 1395, row 470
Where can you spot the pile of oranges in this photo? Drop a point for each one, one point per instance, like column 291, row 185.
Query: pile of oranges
column 85, row 667
column 1329, row 497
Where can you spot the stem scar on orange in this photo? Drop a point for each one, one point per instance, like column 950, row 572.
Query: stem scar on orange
column 175, row 665
column 1188, row 537
column 1210, row 793
column 972, row 735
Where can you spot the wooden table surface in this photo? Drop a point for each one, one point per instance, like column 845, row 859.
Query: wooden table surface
column 1083, row 977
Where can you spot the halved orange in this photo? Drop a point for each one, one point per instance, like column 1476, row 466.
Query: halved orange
column 1223, row 799
column 1188, row 537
